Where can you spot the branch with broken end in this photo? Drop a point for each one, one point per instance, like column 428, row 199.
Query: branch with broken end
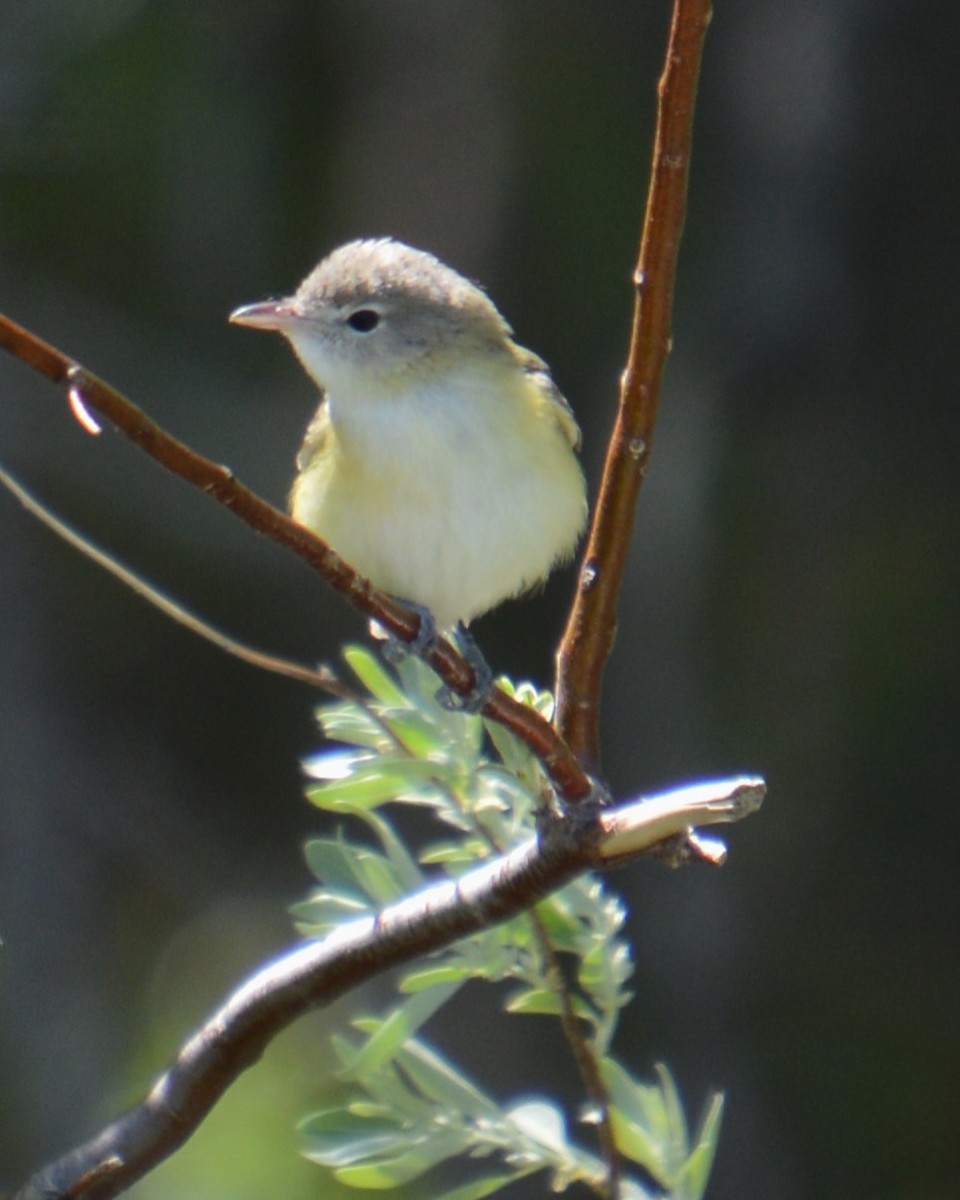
column 309, row 976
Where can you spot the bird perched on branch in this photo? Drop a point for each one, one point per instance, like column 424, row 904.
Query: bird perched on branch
column 441, row 462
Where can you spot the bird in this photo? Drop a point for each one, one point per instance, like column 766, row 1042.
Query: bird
column 442, row 461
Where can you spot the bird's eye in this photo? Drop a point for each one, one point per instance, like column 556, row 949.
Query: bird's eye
column 363, row 320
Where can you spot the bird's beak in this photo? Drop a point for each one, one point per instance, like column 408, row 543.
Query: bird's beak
column 268, row 314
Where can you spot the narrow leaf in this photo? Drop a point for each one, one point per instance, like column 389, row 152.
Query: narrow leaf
column 417, row 980
column 439, row 1081
column 542, row 1002
column 395, row 1171
column 374, row 677
column 395, row 1029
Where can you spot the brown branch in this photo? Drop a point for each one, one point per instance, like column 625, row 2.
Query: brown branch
column 86, row 389
column 320, row 676
column 307, row 977
column 588, row 638
column 585, row 1059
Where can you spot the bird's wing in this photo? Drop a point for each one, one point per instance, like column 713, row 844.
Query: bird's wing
column 313, row 452
column 314, row 440
column 560, row 408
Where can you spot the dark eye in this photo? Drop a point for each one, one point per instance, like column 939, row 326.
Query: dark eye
column 363, row 320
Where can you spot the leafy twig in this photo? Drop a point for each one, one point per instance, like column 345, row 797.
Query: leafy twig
column 316, row 974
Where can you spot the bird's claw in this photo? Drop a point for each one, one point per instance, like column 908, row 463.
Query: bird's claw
column 395, row 650
column 474, row 700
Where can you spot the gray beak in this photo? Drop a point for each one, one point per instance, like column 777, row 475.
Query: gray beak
column 268, row 314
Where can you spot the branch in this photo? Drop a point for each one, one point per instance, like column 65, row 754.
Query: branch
column 321, row 676
column 588, row 638
column 316, row 974
column 87, row 390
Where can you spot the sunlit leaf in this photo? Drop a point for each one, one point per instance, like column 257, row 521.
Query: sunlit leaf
column 636, row 1143
column 542, row 1002
column 409, row 1108
column 394, row 1171
column 427, row 977
column 640, row 1103
column 378, row 877
column 331, row 861
column 405, row 867
column 442, row 1083
column 336, row 1137
column 467, row 851
column 336, row 764
column 374, row 676
column 355, row 726
column 325, row 910
column 677, row 1121
column 541, row 1121
column 378, row 781
column 694, row 1175
column 416, row 735
column 395, row 1029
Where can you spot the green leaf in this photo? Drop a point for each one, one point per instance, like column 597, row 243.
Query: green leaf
column 694, row 1175
column 592, row 970
column 354, row 872
column 377, row 781
column 331, row 861
column 374, row 677
column 378, row 878
column 336, row 764
column 639, row 1103
column 402, row 1168
column 513, row 753
column 677, row 1121
column 427, row 977
column 353, row 725
column 325, row 910
column 404, row 865
column 467, row 851
column 561, row 926
column 417, row 735
column 636, row 1143
column 543, row 1002
column 336, row 1137
column 394, row 1030
column 439, row 1081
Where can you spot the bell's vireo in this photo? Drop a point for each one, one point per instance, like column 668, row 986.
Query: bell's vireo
column 441, row 462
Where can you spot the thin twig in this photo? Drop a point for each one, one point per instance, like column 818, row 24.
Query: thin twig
column 588, row 638
column 584, row 1055
column 321, row 676
column 316, row 974
column 88, row 391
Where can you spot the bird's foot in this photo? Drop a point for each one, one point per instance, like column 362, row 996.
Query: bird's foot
column 395, row 650
column 476, row 698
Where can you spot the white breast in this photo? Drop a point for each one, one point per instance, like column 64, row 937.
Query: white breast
column 455, row 498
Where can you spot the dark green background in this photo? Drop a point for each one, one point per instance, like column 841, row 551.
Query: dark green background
column 791, row 605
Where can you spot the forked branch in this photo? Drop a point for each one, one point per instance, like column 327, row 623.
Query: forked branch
column 315, row 974
column 581, row 839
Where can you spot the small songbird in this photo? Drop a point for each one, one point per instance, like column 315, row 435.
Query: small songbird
column 441, row 462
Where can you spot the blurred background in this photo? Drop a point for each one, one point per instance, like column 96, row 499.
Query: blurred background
column 791, row 605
